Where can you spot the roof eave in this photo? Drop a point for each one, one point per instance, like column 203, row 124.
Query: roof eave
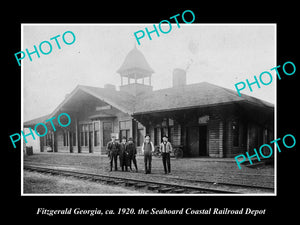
column 186, row 108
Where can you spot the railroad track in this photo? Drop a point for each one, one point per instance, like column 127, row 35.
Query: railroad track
column 263, row 188
column 153, row 186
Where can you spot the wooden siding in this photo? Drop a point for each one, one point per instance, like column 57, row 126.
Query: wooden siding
column 176, row 134
column 215, row 138
column 219, row 130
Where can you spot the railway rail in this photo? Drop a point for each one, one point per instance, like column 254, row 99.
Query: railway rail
column 153, row 186
column 149, row 185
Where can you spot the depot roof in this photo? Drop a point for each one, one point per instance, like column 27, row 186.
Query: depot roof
column 193, row 95
column 33, row 122
column 188, row 96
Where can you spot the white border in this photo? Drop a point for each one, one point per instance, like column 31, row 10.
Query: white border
column 159, row 195
column 22, row 118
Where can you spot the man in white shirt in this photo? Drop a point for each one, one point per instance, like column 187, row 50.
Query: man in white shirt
column 166, row 148
column 147, row 149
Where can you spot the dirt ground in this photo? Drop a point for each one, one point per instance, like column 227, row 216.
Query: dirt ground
column 36, row 183
column 186, row 171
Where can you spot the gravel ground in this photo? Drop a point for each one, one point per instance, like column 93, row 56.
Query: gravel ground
column 186, row 171
column 35, row 183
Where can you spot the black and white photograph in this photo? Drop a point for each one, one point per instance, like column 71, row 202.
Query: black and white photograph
column 137, row 114
column 180, row 113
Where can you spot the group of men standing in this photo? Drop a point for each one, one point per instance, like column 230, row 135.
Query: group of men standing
column 127, row 153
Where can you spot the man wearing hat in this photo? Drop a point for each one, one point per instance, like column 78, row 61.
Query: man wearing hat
column 166, row 148
column 113, row 148
column 131, row 154
column 147, row 149
column 123, row 155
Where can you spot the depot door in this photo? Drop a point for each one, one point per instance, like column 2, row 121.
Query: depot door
column 193, row 141
column 203, row 141
column 197, row 140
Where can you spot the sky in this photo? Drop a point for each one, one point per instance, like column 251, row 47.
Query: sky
column 221, row 54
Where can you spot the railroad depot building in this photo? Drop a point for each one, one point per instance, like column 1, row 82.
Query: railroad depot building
column 203, row 119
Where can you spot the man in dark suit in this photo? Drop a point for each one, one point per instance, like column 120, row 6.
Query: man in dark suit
column 131, row 154
column 123, row 155
column 113, row 148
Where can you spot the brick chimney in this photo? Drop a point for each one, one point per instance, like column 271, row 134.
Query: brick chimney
column 179, row 77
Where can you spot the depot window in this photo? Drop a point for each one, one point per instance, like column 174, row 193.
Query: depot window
column 49, row 139
column 84, row 134
column 97, row 134
column 167, row 128
column 73, row 137
column 125, row 129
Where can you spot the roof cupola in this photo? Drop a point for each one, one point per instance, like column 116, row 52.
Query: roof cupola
column 135, row 73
